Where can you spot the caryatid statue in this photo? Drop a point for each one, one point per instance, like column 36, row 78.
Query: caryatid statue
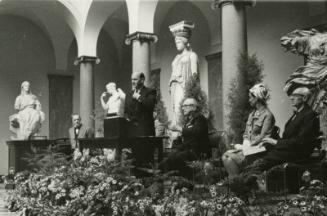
column 184, row 65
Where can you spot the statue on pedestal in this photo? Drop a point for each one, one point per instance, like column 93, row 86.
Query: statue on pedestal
column 115, row 105
column 28, row 121
column 184, row 65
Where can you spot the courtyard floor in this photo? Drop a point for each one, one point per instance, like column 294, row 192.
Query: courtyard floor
column 3, row 209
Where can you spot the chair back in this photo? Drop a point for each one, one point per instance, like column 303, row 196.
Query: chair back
column 275, row 132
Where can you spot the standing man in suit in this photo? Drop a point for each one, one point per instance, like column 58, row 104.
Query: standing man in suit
column 298, row 140
column 78, row 131
column 139, row 108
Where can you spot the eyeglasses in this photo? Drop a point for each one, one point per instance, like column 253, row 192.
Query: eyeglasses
column 188, row 105
column 296, row 95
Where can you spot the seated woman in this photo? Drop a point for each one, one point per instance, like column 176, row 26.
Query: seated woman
column 27, row 122
column 259, row 125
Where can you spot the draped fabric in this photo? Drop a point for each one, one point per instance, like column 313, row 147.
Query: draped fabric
column 29, row 116
column 313, row 46
column 181, row 72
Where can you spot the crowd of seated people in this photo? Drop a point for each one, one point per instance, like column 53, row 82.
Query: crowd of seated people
column 296, row 144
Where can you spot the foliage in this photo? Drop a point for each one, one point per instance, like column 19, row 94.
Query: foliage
column 160, row 110
column 98, row 115
column 99, row 185
column 310, row 201
column 45, row 160
column 249, row 73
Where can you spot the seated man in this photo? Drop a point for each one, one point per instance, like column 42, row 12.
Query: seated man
column 78, row 131
column 195, row 141
column 298, row 140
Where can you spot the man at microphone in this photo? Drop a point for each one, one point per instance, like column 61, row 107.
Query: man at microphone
column 78, row 130
column 139, row 108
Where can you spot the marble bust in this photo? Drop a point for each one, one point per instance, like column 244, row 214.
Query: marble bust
column 115, row 105
column 184, row 65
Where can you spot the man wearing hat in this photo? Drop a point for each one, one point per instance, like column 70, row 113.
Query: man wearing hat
column 298, row 140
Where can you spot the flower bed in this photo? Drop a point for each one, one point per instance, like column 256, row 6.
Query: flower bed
column 98, row 185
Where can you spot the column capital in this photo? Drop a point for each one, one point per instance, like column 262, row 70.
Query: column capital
column 141, row 36
column 84, row 59
column 219, row 3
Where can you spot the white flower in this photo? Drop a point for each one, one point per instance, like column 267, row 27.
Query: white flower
column 110, row 154
column 86, row 152
column 77, row 154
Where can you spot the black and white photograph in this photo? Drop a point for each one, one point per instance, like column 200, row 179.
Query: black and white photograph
column 163, row 107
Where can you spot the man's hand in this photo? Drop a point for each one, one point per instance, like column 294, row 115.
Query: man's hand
column 103, row 95
column 136, row 94
column 269, row 141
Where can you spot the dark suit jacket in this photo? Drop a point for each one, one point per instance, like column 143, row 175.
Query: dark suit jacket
column 195, row 136
column 299, row 137
column 140, row 112
column 83, row 132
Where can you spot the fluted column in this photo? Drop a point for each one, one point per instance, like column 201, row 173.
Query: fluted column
column 141, row 42
column 86, row 107
column 234, row 41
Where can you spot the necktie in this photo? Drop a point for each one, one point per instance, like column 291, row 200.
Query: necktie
column 294, row 115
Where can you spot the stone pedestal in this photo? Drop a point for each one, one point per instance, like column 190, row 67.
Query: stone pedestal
column 114, row 127
column 19, row 149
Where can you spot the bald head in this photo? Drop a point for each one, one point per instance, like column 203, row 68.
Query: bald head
column 138, row 79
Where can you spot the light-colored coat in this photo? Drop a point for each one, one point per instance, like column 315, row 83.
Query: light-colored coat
column 83, row 132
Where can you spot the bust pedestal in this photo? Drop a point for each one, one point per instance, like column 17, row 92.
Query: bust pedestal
column 17, row 150
column 114, row 127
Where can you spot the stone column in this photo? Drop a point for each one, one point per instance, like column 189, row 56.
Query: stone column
column 141, row 52
column 86, row 106
column 234, row 41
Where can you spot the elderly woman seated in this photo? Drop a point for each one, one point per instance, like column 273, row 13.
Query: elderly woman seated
column 260, row 124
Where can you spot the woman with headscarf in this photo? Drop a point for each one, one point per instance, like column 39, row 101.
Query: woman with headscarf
column 259, row 125
column 27, row 122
